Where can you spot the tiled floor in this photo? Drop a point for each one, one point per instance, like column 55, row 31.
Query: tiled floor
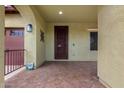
column 58, row 75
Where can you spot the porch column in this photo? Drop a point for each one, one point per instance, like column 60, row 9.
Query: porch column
column 111, row 45
column 1, row 46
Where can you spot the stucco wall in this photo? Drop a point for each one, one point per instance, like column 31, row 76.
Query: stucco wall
column 111, row 45
column 1, row 46
column 14, row 20
column 40, row 45
column 78, row 35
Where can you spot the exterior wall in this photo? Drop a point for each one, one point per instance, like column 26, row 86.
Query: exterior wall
column 40, row 45
column 14, row 20
column 111, row 46
column 1, row 46
column 78, row 35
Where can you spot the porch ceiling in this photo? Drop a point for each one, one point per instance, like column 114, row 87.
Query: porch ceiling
column 71, row 13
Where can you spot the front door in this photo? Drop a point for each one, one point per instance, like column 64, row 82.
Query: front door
column 61, row 42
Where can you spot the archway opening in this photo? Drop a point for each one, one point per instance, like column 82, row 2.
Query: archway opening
column 14, row 40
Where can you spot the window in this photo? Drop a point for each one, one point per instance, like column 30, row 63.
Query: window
column 93, row 40
column 17, row 33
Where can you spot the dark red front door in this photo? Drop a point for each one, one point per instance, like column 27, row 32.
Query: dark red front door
column 61, row 42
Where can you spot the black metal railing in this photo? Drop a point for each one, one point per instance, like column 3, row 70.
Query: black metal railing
column 14, row 59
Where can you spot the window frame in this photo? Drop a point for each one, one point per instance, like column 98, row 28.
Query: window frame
column 14, row 28
column 94, row 46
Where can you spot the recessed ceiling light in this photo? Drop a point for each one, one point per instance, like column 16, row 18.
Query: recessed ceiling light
column 60, row 12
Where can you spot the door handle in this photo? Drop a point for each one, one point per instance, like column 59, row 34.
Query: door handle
column 59, row 45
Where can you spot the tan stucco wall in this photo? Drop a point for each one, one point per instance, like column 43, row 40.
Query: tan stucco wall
column 14, row 20
column 111, row 45
column 78, row 35
column 1, row 46
column 40, row 46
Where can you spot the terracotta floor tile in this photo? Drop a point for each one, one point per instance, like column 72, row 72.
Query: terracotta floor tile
column 58, row 75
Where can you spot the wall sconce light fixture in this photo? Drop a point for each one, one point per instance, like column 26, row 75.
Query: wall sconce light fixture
column 29, row 28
